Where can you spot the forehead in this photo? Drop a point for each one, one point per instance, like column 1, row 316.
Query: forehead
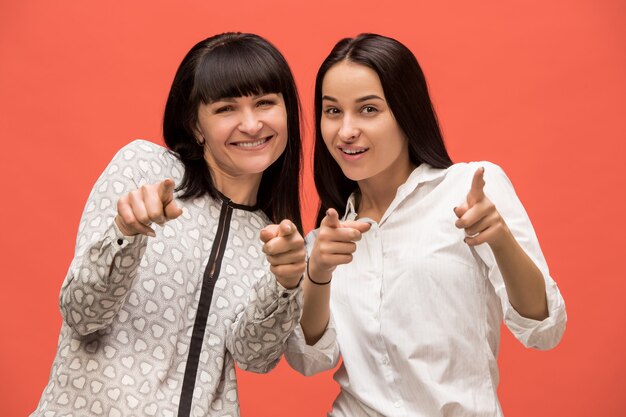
column 349, row 81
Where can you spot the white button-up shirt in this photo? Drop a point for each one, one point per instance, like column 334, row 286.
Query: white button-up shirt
column 416, row 315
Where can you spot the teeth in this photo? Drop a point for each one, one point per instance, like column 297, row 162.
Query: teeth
column 353, row 151
column 252, row 144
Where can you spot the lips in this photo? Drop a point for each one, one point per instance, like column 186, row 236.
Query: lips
column 253, row 143
column 352, row 153
column 353, row 150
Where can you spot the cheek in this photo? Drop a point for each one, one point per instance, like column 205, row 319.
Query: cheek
column 218, row 133
column 394, row 137
column 327, row 129
column 279, row 120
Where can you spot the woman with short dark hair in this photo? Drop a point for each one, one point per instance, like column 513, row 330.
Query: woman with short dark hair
column 154, row 319
column 426, row 257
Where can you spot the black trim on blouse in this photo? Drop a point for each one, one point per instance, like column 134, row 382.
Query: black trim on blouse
column 211, row 273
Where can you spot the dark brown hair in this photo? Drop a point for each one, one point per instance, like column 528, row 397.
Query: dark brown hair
column 406, row 92
column 235, row 65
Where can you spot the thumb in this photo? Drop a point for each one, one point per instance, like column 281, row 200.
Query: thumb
column 460, row 210
column 285, row 228
column 172, row 210
column 476, row 192
column 331, row 219
column 358, row 225
column 268, row 233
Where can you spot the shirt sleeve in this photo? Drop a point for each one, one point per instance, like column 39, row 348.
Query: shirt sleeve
column 323, row 355
column 105, row 261
column 544, row 334
column 258, row 335
column 312, row 359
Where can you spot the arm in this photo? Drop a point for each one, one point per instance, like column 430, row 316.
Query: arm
column 335, row 244
column 313, row 346
column 514, row 257
column 259, row 333
column 484, row 224
column 106, row 257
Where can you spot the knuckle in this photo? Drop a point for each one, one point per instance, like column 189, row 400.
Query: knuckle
column 153, row 213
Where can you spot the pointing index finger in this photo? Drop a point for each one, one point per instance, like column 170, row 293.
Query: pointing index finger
column 166, row 191
column 285, row 228
column 331, row 219
column 476, row 192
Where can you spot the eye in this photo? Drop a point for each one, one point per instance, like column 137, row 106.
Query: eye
column 369, row 109
column 331, row 111
column 266, row 102
column 223, row 109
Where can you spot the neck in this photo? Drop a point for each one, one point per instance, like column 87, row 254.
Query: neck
column 240, row 189
column 378, row 192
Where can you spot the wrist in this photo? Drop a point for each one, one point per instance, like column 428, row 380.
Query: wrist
column 504, row 244
column 321, row 278
column 120, row 225
column 290, row 283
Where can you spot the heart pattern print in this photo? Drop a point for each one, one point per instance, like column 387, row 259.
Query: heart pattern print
column 130, row 305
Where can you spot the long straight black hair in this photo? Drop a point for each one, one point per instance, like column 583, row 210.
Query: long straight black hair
column 406, row 91
column 235, row 65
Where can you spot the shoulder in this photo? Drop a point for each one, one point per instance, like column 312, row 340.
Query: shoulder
column 140, row 149
column 498, row 186
column 464, row 171
column 464, row 168
column 151, row 161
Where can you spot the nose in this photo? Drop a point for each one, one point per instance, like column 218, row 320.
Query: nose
column 348, row 132
column 250, row 123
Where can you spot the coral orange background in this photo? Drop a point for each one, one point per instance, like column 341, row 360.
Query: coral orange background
column 538, row 87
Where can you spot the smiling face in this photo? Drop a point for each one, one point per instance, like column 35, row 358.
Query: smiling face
column 359, row 128
column 242, row 136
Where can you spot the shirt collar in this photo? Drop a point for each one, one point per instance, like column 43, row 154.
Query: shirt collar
column 422, row 174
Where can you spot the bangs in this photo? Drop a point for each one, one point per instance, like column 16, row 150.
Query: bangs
column 239, row 70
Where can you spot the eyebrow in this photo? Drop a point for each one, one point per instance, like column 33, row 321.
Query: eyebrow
column 358, row 100
column 234, row 99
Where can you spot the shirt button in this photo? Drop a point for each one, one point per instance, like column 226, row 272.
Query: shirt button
column 120, row 241
column 397, row 404
column 385, row 360
column 285, row 295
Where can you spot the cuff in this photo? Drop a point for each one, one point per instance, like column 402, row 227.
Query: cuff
column 277, row 299
column 540, row 334
column 311, row 359
column 119, row 240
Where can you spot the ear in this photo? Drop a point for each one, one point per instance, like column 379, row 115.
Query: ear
column 198, row 135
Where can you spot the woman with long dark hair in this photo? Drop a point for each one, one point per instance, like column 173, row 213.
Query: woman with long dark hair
column 417, row 261
column 154, row 318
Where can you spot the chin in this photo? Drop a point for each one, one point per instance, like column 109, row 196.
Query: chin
column 355, row 177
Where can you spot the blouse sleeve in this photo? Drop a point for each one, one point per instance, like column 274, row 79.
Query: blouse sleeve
column 544, row 334
column 105, row 261
column 258, row 335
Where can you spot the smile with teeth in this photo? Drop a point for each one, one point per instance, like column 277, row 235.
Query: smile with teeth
column 253, row 144
column 352, row 151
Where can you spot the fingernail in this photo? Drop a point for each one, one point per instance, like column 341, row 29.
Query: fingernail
column 454, row 210
column 151, row 234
